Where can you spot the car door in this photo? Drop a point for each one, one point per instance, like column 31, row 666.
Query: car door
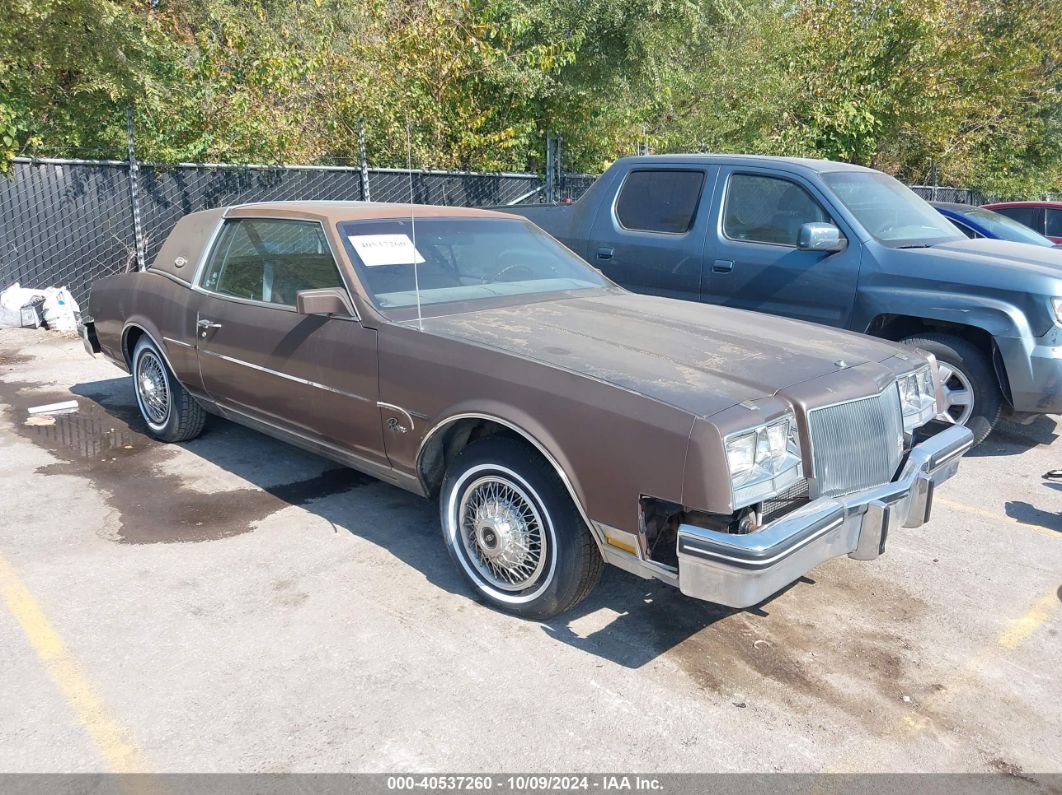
column 752, row 260
column 312, row 375
column 651, row 238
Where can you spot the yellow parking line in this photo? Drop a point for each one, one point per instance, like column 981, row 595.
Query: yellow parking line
column 992, row 515
column 109, row 736
column 1022, row 628
column 1017, row 632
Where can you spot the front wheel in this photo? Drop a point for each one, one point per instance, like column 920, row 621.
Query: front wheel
column 971, row 391
column 514, row 532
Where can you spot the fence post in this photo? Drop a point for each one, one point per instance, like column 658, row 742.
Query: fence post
column 134, row 191
column 366, row 195
column 551, row 156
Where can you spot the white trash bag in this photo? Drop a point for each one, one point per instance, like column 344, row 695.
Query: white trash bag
column 60, row 311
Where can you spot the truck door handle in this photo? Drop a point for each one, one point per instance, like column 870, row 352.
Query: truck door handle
column 605, row 253
column 723, row 266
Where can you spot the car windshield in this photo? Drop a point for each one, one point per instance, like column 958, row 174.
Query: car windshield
column 460, row 259
column 890, row 211
column 1005, row 228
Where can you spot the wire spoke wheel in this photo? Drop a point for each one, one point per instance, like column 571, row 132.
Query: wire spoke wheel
column 153, row 388
column 502, row 533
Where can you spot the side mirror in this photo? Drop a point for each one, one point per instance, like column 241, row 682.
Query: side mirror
column 820, row 237
column 324, row 301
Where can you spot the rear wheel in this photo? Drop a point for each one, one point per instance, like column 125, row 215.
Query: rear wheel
column 170, row 413
column 971, row 391
column 514, row 532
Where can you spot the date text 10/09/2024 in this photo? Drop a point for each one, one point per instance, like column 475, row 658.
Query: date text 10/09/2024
column 517, row 783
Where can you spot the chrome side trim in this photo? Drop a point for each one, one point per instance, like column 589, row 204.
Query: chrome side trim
column 285, row 376
column 594, row 529
column 178, row 342
column 399, row 409
column 321, row 447
column 155, row 272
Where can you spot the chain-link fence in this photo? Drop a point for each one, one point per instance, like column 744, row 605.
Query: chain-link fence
column 937, row 193
column 70, row 222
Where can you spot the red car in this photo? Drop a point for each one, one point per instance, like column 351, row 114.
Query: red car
column 1045, row 217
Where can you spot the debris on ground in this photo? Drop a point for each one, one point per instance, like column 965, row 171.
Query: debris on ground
column 66, row 407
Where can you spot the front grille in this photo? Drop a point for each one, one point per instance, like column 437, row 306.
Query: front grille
column 856, row 445
column 784, row 502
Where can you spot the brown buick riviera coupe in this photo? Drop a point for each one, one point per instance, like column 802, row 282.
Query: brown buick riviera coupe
column 561, row 421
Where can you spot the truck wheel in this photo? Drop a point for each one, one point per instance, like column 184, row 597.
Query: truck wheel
column 971, row 391
column 171, row 414
column 513, row 531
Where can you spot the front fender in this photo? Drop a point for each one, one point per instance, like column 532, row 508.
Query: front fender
column 524, row 425
column 998, row 318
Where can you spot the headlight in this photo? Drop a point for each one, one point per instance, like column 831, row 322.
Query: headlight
column 763, row 460
column 1058, row 309
column 918, row 398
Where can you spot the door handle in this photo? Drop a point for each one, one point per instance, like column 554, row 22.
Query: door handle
column 205, row 324
column 605, row 252
column 723, row 266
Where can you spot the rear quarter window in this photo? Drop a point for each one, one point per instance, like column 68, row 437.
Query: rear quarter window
column 659, row 201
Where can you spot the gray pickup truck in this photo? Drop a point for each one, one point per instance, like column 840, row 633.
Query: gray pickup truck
column 835, row 244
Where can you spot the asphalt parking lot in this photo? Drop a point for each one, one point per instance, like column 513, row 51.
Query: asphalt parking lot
column 234, row 604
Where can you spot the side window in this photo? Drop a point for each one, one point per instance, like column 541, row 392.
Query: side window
column 659, row 201
column 270, row 261
column 1054, row 222
column 768, row 210
column 966, row 230
column 1023, row 215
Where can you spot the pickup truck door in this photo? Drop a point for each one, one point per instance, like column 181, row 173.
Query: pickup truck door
column 751, row 257
column 312, row 375
column 650, row 238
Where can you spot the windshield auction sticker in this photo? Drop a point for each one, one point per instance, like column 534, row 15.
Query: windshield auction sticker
column 385, row 250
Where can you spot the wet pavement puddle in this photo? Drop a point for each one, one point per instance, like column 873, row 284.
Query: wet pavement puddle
column 105, row 441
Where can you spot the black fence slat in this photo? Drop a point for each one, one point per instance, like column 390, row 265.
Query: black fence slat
column 68, row 223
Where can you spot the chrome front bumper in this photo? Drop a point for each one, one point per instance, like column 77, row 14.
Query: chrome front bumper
column 743, row 570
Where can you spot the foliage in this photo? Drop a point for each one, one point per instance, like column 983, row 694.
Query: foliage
column 961, row 91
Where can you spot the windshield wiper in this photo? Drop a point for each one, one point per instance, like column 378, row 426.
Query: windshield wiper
column 917, row 245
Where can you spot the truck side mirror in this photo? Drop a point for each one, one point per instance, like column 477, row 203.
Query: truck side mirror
column 324, row 301
column 820, row 237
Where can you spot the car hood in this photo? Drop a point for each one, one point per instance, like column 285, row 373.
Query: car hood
column 997, row 255
column 701, row 359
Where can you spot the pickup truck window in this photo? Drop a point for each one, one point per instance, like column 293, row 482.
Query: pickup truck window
column 768, row 210
column 270, row 261
column 1027, row 216
column 1006, row 228
column 459, row 259
column 889, row 210
column 1054, row 222
column 664, row 200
